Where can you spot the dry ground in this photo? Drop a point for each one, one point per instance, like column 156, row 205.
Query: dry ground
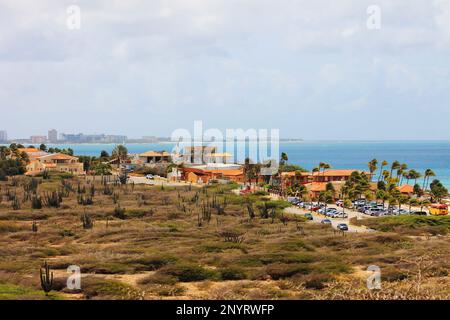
column 166, row 246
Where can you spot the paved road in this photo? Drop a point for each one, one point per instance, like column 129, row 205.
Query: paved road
column 317, row 218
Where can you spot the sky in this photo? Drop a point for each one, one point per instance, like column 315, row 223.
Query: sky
column 312, row 69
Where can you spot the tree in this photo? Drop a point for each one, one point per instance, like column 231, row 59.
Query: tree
column 43, row 147
column 426, row 178
column 120, row 153
column 326, row 197
column 324, row 166
column 400, row 173
column 438, row 191
column 417, row 190
column 424, row 203
column 104, row 154
column 414, row 175
column 395, row 165
column 413, row 202
column 284, row 158
column 372, row 167
column 383, row 164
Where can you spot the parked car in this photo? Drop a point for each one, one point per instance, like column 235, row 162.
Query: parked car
column 374, row 211
column 342, row 227
column 150, row 177
column 309, row 216
column 340, row 203
column 359, row 202
column 397, row 211
column 325, row 221
column 339, row 215
column 419, row 213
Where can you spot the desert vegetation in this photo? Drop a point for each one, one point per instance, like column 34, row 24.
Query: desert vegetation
column 160, row 242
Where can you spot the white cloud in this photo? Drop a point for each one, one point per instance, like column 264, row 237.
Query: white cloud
column 270, row 62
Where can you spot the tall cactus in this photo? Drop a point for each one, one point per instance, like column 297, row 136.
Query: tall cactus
column 87, row 221
column 46, row 278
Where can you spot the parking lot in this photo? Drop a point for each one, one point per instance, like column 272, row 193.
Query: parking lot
column 317, row 218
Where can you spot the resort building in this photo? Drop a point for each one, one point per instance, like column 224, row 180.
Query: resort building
column 198, row 154
column 296, row 177
column 335, row 175
column 55, row 162
column 32, row 153
column 203, row 175
column 38, row 139
column 153, row 157
column 406, row 189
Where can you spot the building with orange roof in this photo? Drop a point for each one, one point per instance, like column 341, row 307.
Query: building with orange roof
column 289, row 179
column 203, row 174
column 335, row 175
column 315, row 188
column 55, row 162
column 153, row 157
column 297, row 177
column 32, row 153
column 406, row 189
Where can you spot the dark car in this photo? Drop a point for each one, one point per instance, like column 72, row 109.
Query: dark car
column 309, row 216
column 342, row 227
column 419, row 213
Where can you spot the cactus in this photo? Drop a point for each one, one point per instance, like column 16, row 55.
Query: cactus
column 36, row 202
column 46, row 278
column 15, row 203
column 119, row 212
column 34, row 227
column 251, row 211
column 52, row 199
column 87, row 221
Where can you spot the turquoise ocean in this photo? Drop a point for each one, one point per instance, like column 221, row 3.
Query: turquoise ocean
column 419, row 155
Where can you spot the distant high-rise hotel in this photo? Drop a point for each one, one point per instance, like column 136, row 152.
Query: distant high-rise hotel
column 53, row 136
column 38, row 139
column 3, row 136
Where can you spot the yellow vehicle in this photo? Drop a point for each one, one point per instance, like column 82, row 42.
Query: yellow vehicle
column 439, row 209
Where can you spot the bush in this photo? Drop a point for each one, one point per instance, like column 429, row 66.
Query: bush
column 233, row 273
column 316, row 281
column 151, row 263
column 188, row 272
column 280, row 271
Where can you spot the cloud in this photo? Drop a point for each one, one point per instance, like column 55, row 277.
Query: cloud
column 148, row 67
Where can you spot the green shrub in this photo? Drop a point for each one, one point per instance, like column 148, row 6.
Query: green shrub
column 188, row 272
column 280, row 271
column 233, row 273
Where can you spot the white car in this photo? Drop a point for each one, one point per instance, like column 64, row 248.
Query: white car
column 150, row 177
column 339, row 215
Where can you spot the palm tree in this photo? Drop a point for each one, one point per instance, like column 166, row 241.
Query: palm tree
column 383, row 164
column 284, row 158
column 316, row 169
column 424, row 203
column 120, row 153
column 372, row 167
column 426, row 178
column 413, row 174
column 395, row 165
column 324, row 166
column 413, row 202
column 400, row 173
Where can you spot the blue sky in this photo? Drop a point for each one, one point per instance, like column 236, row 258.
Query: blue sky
column 310, row 68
